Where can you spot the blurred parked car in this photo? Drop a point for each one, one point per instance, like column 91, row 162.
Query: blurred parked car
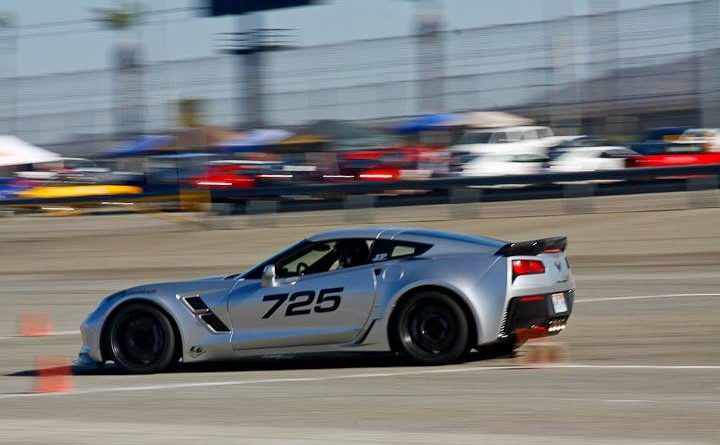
column 656, row 139
column 517, row 140
column 498, row 164
column 694, row 146
column 80, row 190
column 393, row 164
column 697, row 139
column 243, row 174
column 229, row 175
column 591, row 159
column 66, row 169
column 677, row 158
column 11, row 187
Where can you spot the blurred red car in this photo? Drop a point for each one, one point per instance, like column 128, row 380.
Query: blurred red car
column 393, row 164
column 226, row 177
column 670, row 159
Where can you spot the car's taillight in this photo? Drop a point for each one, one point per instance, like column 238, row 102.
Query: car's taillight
column 527, row 267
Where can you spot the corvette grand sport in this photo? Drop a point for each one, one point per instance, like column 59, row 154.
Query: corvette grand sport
column 430, row 295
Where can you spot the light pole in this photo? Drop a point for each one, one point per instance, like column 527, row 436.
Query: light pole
column 250, row 45
column 9, row 37
column 604, row 59
column 128, row 65
column 563, row 111
column 430, row 55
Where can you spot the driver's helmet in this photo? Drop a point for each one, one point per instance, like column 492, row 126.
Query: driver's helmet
column 352, row 253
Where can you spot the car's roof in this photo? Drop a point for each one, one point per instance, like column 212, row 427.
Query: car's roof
column 406, row 233
column 355, row 232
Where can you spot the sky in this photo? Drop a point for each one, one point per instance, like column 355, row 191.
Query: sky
column 84, row 45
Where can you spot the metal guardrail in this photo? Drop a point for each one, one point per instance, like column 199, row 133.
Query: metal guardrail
column 638, row 177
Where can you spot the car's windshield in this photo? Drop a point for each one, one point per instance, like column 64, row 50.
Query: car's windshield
column 695, row 134
column 685, row 148
column 476, row 138
column 317, row 257
column 256, row 271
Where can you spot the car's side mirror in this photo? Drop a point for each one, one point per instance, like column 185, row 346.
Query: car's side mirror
column 269, row 276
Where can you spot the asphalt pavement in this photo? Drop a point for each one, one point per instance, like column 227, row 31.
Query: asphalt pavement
column 643, row 343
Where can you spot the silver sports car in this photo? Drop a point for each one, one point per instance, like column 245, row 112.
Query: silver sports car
column 429, row 294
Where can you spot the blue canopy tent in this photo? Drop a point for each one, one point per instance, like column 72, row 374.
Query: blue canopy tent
column 185, row 156
column 255, row 140
column 427, row 122
column 144, row 145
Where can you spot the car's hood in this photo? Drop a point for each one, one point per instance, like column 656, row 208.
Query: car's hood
column 205, row 286
column 211, row 278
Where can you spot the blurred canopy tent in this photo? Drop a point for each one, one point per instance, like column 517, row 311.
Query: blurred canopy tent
column 184, row 156
column 336, row 135
column 180, row 141
column 15, row 151
column 428, row 122
column 202, row 137
column 254, row 140
column 144, row 145
column 491, row 119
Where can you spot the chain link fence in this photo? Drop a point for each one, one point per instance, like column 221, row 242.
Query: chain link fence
column 609, row 72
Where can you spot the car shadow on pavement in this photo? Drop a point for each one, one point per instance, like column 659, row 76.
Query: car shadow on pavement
column 279, row 363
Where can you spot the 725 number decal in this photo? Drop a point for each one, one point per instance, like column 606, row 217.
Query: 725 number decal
column 328, row 300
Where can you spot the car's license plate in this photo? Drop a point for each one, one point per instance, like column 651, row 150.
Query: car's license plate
column 559, row 303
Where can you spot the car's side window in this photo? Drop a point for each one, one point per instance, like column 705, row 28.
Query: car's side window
column 314, row 258
column 499, row 138
column 544, row 132
column 384, row 250
column 530, row 135
column 402, row 250
column 324, row 256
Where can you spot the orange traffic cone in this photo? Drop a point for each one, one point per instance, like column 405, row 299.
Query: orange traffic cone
column 540, row 354
column 34, row 324
column 524, row 335
column 53, row 375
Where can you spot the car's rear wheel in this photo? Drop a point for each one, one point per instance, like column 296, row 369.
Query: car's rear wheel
column 432, row 328
column 142, row 339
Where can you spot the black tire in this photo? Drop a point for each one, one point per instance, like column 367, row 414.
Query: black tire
column 141, row 339
column 432, row 329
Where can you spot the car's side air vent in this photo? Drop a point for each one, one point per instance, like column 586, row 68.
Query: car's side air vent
column 505, row 324
column 196, row 303
column 198, row 307
column 214, row 322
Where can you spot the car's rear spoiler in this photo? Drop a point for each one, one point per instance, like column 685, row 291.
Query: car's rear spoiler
column 534, row 247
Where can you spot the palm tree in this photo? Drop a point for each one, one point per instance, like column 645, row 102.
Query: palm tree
column 119, row 18
column 6, row 21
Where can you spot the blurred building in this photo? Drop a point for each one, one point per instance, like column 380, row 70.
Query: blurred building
column 648, row 67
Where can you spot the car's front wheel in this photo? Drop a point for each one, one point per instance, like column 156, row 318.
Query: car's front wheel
column 432, row 328
column 141, row 339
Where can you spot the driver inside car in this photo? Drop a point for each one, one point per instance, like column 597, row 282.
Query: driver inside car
column 352, row 253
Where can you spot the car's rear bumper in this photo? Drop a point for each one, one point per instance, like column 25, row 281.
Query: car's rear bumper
column 537, row 315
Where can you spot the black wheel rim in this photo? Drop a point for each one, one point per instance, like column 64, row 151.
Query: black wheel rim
column 139, row 339
column 433, row 328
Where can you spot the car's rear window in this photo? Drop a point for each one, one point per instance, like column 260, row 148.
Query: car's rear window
column 384, row 250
